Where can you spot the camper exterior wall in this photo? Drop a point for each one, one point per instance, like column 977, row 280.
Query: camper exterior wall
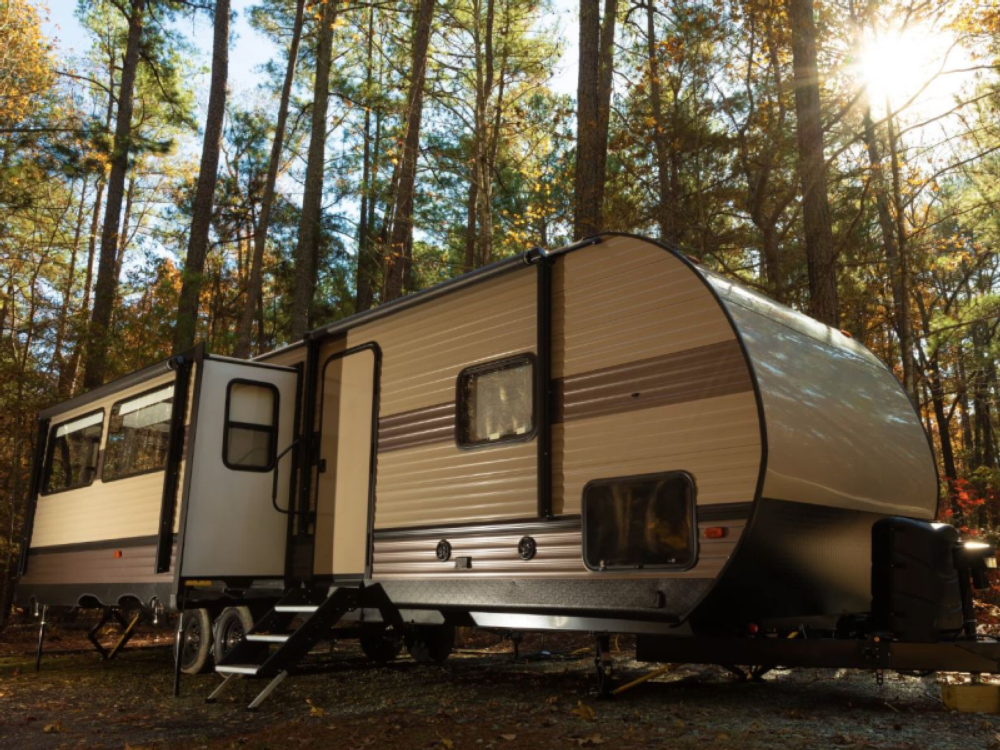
column 119, row 509
column 841, row 431
column 424, row 478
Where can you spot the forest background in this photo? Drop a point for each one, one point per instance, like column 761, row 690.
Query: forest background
column 190, row 170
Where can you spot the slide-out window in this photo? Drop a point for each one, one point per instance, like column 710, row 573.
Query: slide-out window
column 639, row 522
column 251, row 426
column 138, row 434
column 496, row 402
column 72, row 455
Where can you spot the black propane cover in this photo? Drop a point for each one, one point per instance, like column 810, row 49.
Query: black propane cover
column 915, row 586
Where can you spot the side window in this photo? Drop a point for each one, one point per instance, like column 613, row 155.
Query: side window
column 639, row 522
column 496, row 402
column 251, row 426
column 72, row 453
column 138, row 434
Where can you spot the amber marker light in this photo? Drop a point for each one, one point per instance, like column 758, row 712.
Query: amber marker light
column 118, row 553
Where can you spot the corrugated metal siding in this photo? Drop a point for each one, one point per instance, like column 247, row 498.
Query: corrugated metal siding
column 559, row 556
column 424, row 349
column 433, row 484
column 716, row 440
column 691, row 375
column 114, row 510
column 96, row 566
column 624, row 300
column 423, row 352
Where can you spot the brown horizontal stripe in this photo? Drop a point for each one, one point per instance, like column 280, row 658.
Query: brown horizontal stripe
column 690, row 375
column 432, row 424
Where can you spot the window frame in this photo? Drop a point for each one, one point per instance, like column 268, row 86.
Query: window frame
column 273, row 429
column 654, row 476
column 50, row 449
column 104, row 454
column 485, row 368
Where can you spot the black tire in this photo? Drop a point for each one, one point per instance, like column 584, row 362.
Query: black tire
column 231, row 628
column 196, row 642
column 380, row 645
column 430, row 644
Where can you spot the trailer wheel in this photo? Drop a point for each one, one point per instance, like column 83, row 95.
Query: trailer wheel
column 380, row 645
column 231, row 628
column 196, row 641
column 430, row 644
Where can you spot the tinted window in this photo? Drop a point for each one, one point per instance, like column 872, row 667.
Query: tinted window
column 496, row 402
column 138, row 434
column 251, row 426
column 638, row 522
column 73, row 451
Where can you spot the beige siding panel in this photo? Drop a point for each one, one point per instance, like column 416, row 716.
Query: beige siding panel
column 440, row 483
column 559, row 556
column 717, row 440
column 97, row 566
column 621, row 301
column 114, row 510
column 425, row 348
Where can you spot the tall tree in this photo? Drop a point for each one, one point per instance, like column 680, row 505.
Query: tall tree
column 105, row 289
column 243, row 332
column 310, row 225
column 821, row 253
column 201, row 219
column 596, row 70
column 399, row 253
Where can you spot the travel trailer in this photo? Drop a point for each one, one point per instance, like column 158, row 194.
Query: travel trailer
column 606, row 438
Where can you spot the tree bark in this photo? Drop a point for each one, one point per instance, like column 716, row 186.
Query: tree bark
column 310, row 223
column 593, row 112
column 820, row 251
column 367, row 259
column 665, row 208
column 399, row 258
column 208, row 173
column 97, row 344
column 254, row 291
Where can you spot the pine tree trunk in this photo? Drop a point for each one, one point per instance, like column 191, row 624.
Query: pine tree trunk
column 820, row 251
column 367, row 260
column 208, row 173
column 400, row 250
column 105, row 290
column 310, row 224
column 665, row 209
column 254, row 284
column 593, row 113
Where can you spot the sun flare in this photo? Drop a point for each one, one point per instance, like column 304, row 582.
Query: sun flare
column 898, row 65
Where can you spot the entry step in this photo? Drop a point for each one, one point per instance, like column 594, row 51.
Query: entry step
column 250, row 669
column 268, row 637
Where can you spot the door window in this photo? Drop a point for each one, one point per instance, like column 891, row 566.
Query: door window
column 251, row 426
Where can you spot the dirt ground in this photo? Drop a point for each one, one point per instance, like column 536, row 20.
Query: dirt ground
column 480, row 698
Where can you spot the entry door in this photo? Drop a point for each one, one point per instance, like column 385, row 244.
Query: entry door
column 345, row 492
column 245, row 417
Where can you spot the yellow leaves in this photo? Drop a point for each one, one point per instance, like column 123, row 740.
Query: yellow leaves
column 583, row 712
column 315, row 712
column 26, row 70
column 53, row 728
column 591, row 741
column 509, row 737
column 446, row 744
